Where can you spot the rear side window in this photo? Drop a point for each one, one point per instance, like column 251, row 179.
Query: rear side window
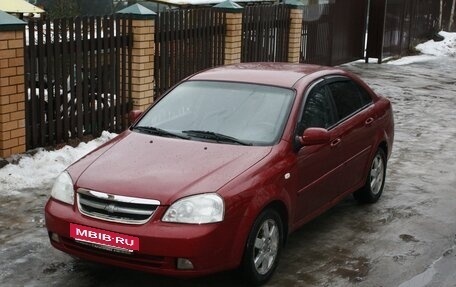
column 348, row 97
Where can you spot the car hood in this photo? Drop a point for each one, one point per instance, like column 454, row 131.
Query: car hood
column 161, row 168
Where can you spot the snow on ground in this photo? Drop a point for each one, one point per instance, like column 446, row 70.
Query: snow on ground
column 43, row 167
column 431, row 49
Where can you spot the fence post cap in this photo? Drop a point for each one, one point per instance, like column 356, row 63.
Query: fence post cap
column 229, row 6
column 138, row 11
column 10, row 23
column 294, row 3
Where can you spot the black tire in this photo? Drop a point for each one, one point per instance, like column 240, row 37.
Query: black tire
column 375, row 181
column 260, row 273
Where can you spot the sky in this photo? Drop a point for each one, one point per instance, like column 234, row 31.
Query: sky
column 40, row 169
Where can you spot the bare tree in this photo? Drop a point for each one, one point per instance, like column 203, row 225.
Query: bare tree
column 440, row 14
column 450, row 25
column 63, row 8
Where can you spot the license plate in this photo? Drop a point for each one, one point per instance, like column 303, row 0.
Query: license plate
column 104, row 238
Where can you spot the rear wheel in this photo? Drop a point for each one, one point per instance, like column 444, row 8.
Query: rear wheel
column 263, row 248
column 373, row 189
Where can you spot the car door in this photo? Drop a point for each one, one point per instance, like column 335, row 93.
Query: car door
column 317, row 166
column 355, row 130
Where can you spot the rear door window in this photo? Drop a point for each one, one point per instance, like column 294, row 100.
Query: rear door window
column 348, row 98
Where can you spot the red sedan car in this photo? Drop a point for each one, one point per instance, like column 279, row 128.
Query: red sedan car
column 220, row 170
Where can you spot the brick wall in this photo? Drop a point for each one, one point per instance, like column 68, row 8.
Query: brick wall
column 12, row 95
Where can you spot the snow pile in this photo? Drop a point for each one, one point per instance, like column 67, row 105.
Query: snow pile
column 40, row 170
column 431, row 50
column 447, row 47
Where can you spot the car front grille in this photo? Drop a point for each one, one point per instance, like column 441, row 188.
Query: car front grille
column 116, row 208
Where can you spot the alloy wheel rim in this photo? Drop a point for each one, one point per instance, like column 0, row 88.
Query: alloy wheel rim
column 377, row 174
column 266, row 246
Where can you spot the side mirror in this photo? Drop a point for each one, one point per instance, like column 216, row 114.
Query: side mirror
column 134, row 115
column 314, row 136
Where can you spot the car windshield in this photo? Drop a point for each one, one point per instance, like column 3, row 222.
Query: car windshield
column 227, row 112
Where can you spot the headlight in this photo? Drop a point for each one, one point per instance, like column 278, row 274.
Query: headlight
column 63, row 188
column 196, row 209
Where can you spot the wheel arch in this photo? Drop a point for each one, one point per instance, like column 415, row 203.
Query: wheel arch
column 275, row 209
column 384, row 146
column 256, row 206
column 282, row 210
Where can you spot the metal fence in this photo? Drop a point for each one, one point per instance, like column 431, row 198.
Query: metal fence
column 446, row 15
column 187, row 41
column 425, row 21
column 333, row 33
column 398, row 20
column 265, row 31
column 76, row 78
column 396, row 26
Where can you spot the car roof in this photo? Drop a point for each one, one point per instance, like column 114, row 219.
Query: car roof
column 276, row 74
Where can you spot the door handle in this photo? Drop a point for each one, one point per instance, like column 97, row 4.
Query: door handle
column 335, row 142
column 369, row 121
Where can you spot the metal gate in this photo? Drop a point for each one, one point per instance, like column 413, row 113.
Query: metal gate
column 396, row 26
column 333, row 33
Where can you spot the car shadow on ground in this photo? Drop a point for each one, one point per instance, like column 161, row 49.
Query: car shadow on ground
column 101, row 275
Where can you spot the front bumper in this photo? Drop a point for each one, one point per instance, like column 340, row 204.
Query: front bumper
column 208, row 246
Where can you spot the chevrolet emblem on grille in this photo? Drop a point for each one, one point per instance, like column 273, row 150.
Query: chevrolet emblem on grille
column 110, row 208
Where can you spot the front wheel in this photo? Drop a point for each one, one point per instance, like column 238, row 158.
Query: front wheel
column 263, row 248
column 373, row 189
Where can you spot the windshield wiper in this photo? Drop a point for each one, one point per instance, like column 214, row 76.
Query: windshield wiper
column 214, row 136
column 160, row 132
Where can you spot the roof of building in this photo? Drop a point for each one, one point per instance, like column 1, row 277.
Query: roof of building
column 19, row 6
column 203, row 2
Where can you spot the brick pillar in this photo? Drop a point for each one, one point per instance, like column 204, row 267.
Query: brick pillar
column 294, row 39
column 233, row 38
column 12, row 96
column 142, row 67
column 142, row 55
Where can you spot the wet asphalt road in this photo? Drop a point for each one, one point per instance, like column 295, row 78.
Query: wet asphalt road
column 407, row 239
